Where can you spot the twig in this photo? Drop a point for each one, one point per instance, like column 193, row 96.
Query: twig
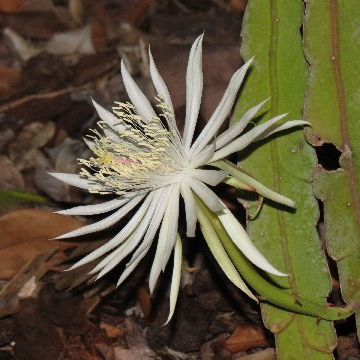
column 49, row 95
column 56, row 93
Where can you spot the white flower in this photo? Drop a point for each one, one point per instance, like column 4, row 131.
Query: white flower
column 143, row 159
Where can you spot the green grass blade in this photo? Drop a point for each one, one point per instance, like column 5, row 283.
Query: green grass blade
column 271, row 33
column 16, row 197
column 332, row 44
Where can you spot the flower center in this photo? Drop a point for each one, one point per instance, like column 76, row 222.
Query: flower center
column 134, row 154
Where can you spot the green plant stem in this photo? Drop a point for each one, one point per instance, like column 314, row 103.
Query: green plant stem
column 268, row 292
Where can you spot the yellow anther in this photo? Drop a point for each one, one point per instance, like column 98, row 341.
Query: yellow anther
column 142, row 157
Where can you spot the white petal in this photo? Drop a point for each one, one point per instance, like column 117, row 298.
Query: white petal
column 142, row 250
column 95, row 209
column 194, row 87
column 222, row 110
column 108, row 259
column 176, row 276
column 129, row 269
column 238, row 127
column 173, row 226
column 204, row 157
column 105, row 223
column 164, row 237
column 131, row 265
column 210, row 177
column 120, row 237
column 107, row 116
column 72, row 179
column 139, row 100
column 156, row 266
column 257, row 131
column 245, row 140
column 154, row 224
column 242, row 241
column 190, row 209
column 159, row 84
column 126, row 248
column 206, row 195
column 288, row 125
column 220, row 254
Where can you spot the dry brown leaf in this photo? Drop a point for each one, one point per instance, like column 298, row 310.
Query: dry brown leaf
column 5, row 137
column 23, row 48
column 73, row 42
column 11, row 6
column 71, row 279
column 238, row 6
column 26, row 233
column 10, row 176
column 347, row 347
column 144, row 299
column 106, row 351
column 245, row 337
column 9, row 78
column 29, row 288
column 38, row 6
column 14, row 289
column 137, row 10
column 22, row 151
column 138, row 347
column 132, row 354
column 65, row 310
column 32, row 24
column 61, row 158
column 99, row 34
column 76, row 41
column 111, row 330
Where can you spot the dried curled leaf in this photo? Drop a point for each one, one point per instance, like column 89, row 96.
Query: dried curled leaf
column 245, row 337
column 27, row 233
column 11, row 6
